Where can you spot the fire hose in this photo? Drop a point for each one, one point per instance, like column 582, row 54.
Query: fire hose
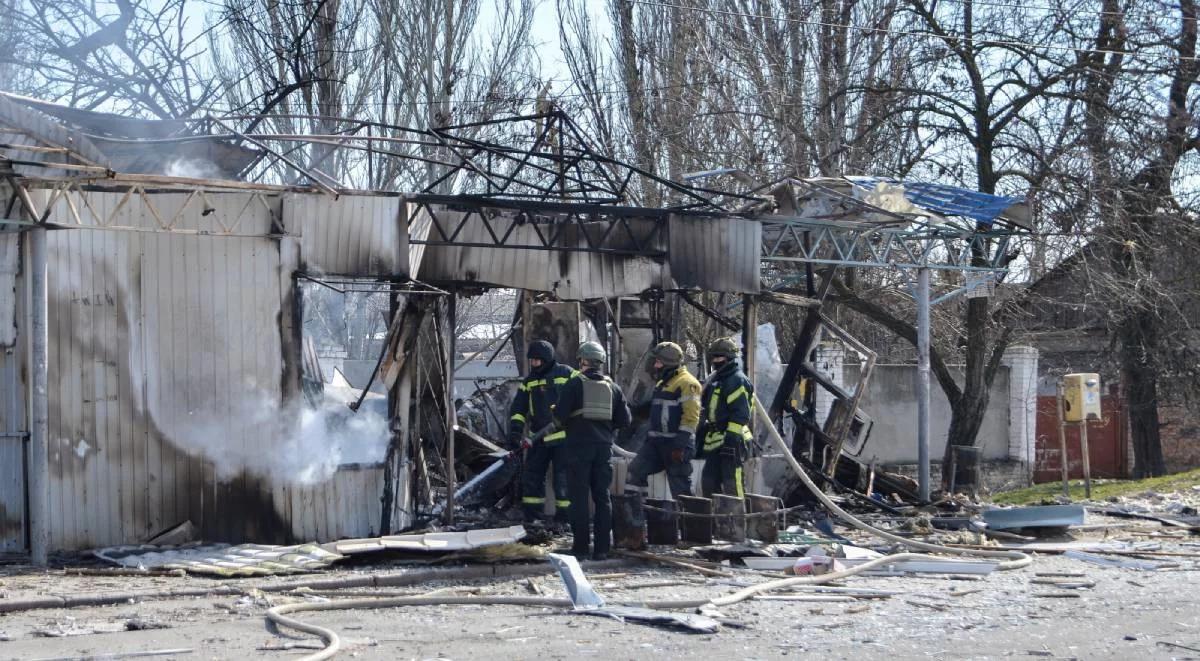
column 1010, row 560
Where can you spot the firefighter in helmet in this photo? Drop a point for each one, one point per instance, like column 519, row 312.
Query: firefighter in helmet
column 674, row 415
column 531, row 411
column 728, row 404
column 591, row 408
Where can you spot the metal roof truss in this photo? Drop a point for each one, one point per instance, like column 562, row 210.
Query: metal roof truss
column 944, row 247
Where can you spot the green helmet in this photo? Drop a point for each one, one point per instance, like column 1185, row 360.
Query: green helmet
column 669, row 353
column 723, row 346
column 593, row 352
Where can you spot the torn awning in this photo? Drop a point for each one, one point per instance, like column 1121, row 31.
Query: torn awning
column 946, row 200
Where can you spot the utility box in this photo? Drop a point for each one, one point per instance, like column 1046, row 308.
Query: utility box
column 1081, row 397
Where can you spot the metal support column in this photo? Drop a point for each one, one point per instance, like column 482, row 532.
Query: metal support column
column 923, row 383
column 451, row 414
column 749, row 334
column 39, row 458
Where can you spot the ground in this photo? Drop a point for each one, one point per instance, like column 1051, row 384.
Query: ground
column 1180, row 484
column 1127, row 614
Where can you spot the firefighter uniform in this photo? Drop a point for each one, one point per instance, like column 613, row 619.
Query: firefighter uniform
column 674, row 416
column 728, row 402
column 531, row 411
column 591, row 408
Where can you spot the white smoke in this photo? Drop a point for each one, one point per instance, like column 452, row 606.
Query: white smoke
column 193, row 168
column 292, row 444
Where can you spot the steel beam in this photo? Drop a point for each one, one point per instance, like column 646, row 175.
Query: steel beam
column 923, row 384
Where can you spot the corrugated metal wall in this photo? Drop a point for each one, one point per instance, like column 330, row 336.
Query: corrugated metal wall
column 158, row 343
column 349, row 235
column 716, row 254
column 12, row 443
column 166, row 359
column 347, row 505
column 10, row 263
column 575, row 275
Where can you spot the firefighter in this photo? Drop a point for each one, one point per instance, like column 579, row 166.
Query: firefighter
column 674, row 414
column 728, row 402
column 591, row 408
column 531, row 411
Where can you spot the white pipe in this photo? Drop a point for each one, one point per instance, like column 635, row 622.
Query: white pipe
column 1014, row 559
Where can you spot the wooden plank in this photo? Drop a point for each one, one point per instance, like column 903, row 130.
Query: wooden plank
column 810, row 371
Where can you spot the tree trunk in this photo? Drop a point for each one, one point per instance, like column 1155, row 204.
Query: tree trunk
column 1137, row 334
column 966, row 417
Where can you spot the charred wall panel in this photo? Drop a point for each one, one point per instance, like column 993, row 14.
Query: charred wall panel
column 568, row 274
column 715, row 254
column 13, row 426
column 165, row 356
column 349, row 235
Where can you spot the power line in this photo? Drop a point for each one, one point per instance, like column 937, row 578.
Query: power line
column 510, row 99
column 1072, row 10
column 910, row 33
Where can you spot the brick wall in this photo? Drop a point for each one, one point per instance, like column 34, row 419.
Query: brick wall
column 1180, row 433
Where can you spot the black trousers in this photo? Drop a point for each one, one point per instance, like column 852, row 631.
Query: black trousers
column 533, row 480
column 723, row 471
column 589, row 473
column 658, row 454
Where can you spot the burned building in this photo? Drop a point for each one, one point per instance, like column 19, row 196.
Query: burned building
column 155, row 368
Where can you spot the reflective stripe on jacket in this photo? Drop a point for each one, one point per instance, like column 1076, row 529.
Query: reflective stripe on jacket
column 532, row 408
column 675, row 405
column 728, row 405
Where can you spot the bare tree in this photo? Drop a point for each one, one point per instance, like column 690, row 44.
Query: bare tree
column 386, row 64
column 137, row 57
column 1138, row 141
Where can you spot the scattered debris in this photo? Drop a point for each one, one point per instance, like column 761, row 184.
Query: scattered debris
column 813, row 598
column 177, row 535
column 121, row 655
column 1143, row 565
column 290, row 645
column 223, row 559
column 925, row 566
column 926, row 604
column 675, row 562
column 1046, row 516
column 139, row 623
column 587, row 602
column 1182, row 647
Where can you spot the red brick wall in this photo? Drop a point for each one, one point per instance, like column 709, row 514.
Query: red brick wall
column 1180, row 432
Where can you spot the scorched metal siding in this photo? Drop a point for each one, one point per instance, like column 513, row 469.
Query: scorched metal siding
column 570, row 275
column 349, row 235
column 716, row 254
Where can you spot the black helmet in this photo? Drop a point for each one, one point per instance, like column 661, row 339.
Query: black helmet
column 542, row 350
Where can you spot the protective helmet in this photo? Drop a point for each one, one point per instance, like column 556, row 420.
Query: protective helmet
column 542, row 350
column 592, row 351
column 723, row 346
column 669, row 353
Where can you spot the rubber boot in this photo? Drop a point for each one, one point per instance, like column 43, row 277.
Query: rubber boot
column 629, row 521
